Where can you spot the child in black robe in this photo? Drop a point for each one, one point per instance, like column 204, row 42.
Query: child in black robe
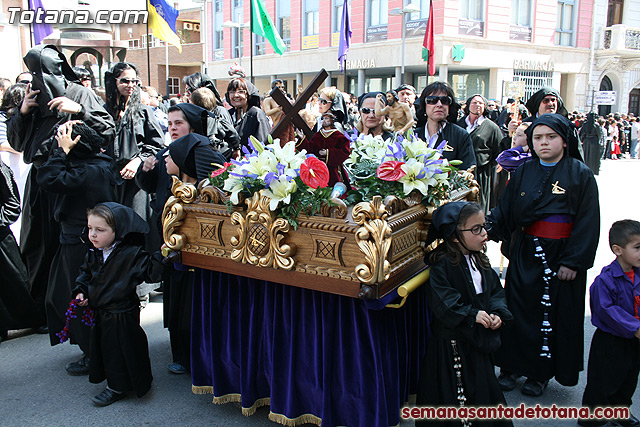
column 108, row 279
column 468, row 308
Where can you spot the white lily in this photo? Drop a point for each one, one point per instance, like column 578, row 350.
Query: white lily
column 280, row 190
column 410, row 182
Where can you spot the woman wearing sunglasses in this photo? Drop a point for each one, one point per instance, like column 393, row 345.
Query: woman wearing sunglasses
column 330, row 99
column 138, row 135
column 369, row 123
column 437, row 115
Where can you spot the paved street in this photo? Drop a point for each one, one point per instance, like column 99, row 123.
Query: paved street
column 36, row 391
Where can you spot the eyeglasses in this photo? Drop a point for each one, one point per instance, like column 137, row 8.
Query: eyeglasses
column 433, row 100
column 241, row 92
column 549, row 100
column 324, row 101
column 126, row 81
column 367, row 110
column 477, row 229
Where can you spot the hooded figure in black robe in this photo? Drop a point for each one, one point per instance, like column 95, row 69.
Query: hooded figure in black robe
column 219, row 126
column 455, row 303
column 79, row 180
column 486, row 138
column 254, row 122
column 119, row 346
column 34, row 134
column 592, row 137
column 194, row 157
column 551, row 211
column 17, row 309
column 459, row 145
column 340, row 111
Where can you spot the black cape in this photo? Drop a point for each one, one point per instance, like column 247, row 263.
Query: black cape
column 529, row 197
column 78, row 184
column 17, row 309
column 454, row 305
column 459, row 145
column 119, row 346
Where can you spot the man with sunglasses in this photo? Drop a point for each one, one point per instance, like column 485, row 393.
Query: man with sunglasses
column 437, row 113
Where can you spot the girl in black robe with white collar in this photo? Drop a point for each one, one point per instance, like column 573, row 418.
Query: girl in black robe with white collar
column 468, row 308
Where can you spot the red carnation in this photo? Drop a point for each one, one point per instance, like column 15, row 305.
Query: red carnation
column 220, row 171
column 314, row 173
column 391, row 170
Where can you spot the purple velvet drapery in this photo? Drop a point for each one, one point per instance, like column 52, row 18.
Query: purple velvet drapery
column 340, row 359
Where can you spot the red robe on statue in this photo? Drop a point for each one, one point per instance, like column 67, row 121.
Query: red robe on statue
column 338, row 149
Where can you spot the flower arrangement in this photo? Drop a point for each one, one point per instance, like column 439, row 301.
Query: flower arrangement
column 293, row 181
column 296, row 182
column 398, row 167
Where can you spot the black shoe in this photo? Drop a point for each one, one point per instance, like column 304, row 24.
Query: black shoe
column 80, row 367
column 107, row 397
column 507, row 381
column 177, row 368
column 533, row 387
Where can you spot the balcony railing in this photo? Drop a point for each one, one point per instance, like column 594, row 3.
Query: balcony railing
column 620, row 37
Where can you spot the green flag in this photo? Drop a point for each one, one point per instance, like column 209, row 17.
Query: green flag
column 262, row 25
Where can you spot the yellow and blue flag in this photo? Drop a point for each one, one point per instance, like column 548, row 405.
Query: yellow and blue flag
column 162, row 20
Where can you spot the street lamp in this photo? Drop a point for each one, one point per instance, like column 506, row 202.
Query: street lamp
column 408, row 9
column 239, row 26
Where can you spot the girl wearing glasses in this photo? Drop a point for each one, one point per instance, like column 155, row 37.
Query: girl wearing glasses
column 437, row 114
column 246, row 114
column 468, row 308
column 138, row 134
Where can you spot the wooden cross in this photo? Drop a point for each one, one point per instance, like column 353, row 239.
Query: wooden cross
column 291, row 111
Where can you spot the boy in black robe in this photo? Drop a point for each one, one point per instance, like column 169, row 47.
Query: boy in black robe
column 549, row 218
column 107, row 283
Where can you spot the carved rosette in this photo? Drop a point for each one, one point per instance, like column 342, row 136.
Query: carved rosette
column 260, row 236
column 374, row 240
column 173, row 213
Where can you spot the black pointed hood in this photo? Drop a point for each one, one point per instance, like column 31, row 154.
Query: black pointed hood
column 194, row 156
column 51, row 75
column 197, row 80
column 127, row 221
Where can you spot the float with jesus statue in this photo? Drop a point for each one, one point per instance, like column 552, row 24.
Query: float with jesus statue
column 304, row 299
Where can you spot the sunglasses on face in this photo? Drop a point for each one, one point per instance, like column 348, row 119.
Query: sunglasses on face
column 126, row 81
column 433, row 100
column 477, row 229
column 367, row 110
column 26, row 82
column 324, row 101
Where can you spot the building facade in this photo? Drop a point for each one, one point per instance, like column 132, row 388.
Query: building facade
column 616, row 65
column 480, row 45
